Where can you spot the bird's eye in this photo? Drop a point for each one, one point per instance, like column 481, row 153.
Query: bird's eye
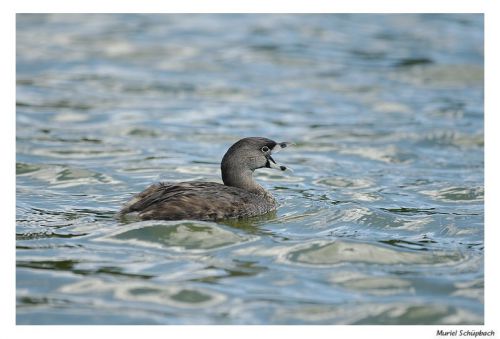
column 265, row 149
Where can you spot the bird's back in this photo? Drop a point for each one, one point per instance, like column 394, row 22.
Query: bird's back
column 197, row 201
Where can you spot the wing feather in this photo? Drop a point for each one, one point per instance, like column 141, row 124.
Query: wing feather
column 191, row 200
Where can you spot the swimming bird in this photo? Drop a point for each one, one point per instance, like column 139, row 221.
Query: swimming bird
column 239, row 197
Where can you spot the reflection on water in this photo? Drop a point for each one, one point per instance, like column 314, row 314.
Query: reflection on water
column 173, row 296
column 181, row 236
column 381, row 222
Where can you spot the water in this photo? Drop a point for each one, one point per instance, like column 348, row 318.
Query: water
column 381, row 222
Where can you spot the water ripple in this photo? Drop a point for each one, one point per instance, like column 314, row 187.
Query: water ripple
column 381, row 222
column 179, row 236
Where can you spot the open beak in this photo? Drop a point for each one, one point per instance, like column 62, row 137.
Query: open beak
column 271, row 163
column 280, row 146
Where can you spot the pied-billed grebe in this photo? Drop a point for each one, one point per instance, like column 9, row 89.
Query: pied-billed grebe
column 239, row 197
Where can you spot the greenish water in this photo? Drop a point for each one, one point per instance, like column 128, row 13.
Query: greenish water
column 381, row 222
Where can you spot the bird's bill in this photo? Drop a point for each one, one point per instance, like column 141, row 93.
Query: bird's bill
column 279, row 146
column 271, row 163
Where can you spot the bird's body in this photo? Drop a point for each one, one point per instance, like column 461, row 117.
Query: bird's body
column 239, row 197
column 199, row 201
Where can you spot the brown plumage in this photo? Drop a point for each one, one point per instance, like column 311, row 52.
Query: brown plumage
column 239, row 197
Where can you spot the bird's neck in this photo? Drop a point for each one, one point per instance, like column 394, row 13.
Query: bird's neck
column 242, row 178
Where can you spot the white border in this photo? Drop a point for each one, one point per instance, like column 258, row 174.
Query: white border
column 492, row 168
column 7, row 22
column 249, row 6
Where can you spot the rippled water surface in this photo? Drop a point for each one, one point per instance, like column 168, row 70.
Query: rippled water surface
column 381, row 221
